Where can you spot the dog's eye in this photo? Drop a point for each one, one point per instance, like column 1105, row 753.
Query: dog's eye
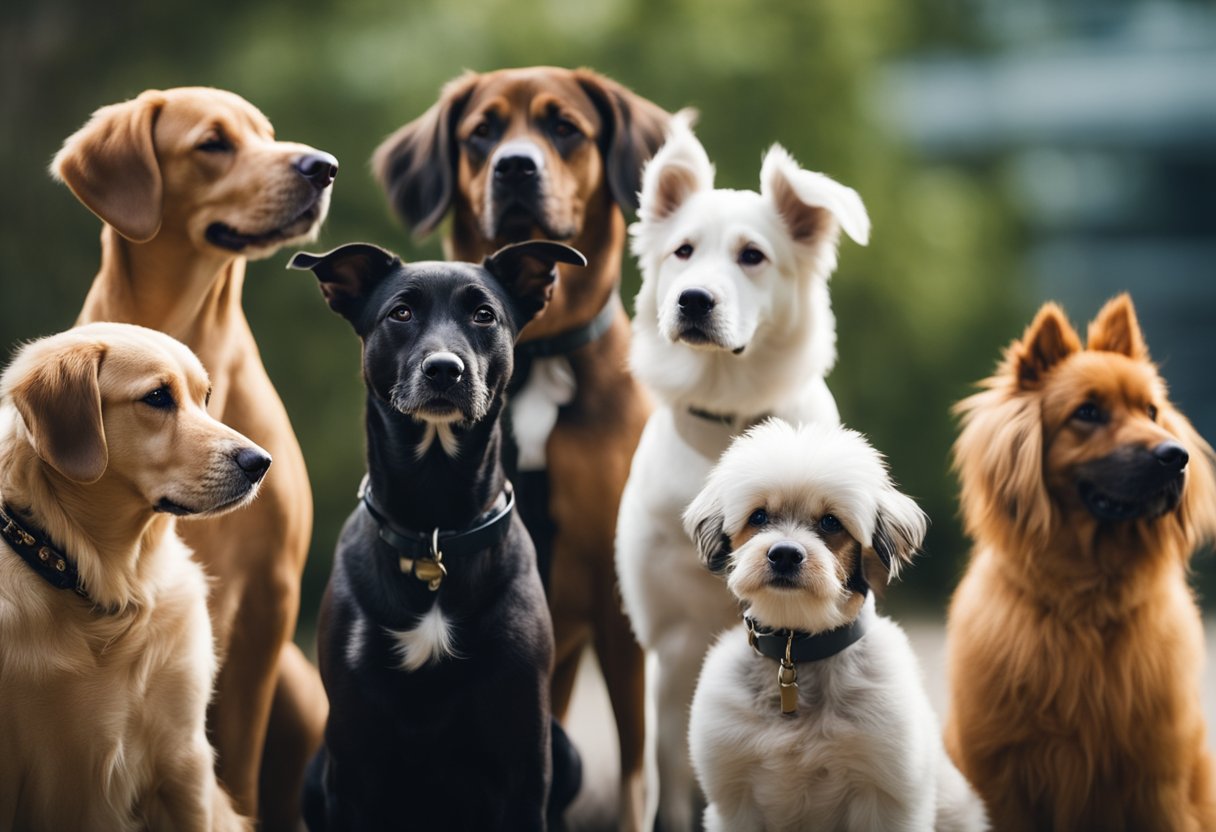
column 401, row 313
column 482, row 130
column 829, row 524
column 1089, row 412
column 751, row 256
column 160, row 398
column 484, row 316
column 564, row 129
column 684, row 251
column 1152, row 412
column 759, row 517
column 214, row 143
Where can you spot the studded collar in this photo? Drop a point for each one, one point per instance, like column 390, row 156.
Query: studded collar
column 35, row 548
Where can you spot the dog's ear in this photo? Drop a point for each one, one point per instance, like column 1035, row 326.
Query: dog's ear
column 899, row 530
column 680, row 169
column 812, row 206
column 57, row 393
column 528, row 270
column 348, row 274
column 705, row 522
column 633, row 130
column 1048, row 340
column 1116, row 329
column 110, row 164
column 416, row 165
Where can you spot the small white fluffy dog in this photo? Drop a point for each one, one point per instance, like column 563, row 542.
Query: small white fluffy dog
column 793, row 518
column 733, row 323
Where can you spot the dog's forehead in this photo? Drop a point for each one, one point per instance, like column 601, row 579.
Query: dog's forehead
column 517, row 89
column 196, row 108
column 136, row 356
column 441, row 278
column 1108, row 376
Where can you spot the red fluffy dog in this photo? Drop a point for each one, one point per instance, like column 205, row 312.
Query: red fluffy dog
column 1075, row 644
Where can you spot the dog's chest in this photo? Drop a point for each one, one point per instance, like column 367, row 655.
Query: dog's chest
column 534, row 408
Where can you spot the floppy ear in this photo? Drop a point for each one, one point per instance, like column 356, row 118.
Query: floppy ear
column 811, row 204
column 633, row 131
column 416, row 166
column 704, row 521
column 1049, row 339
column 110, row 165
column 56, row 391
column 1116, row 329
column 528, row 271
column 348, row 274
column 899, row 530
column 680, row 169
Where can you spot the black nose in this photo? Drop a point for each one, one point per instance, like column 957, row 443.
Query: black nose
column 696, row 303
column 514, row 170
column 319, row 168
column 443, row 369
column 785, row 556
column 253, row 463
column 1171, row 455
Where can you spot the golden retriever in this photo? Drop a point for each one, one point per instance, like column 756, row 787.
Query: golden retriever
column 190, row 183
column 1075, row 644
column 105, row 677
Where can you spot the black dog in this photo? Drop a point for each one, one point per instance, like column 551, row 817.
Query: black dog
column 435, row 640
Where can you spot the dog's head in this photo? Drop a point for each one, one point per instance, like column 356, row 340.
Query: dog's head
column 532, row 153
column 199, row 162
column 118, row 415
column 791, row 515
column 734, row 283
column 1074, row 435
column 437, row 337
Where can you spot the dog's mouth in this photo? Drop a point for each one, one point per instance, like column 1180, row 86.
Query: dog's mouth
column 226, row 237
column 1111, row 509
column 166, row 506
column 519, row 220
column 698, row 338
column 783, row 582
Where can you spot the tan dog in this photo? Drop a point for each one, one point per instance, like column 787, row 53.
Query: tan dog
column 190, row 182
column 555, row 154
column 104, row 436
column 1075, row 644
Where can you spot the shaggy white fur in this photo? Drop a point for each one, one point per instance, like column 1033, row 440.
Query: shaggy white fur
column 429, row 640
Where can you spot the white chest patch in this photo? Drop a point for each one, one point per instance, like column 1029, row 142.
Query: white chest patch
column 429, row 640
column 447, row 440
column 534, row 408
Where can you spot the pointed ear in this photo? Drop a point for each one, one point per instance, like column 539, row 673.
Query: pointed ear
column 1048, row 340
column 680, row 169
column 1116, row 329
column 416, row 165
column 528, row 271
column 704, row 522
column 811, row 204
column 348, row 274
column 633, row 130
column 110, row 165
column 56, row 391
column 899, row 530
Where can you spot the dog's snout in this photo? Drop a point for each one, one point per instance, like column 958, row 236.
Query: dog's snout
column 318, row 167
column 515, row 170
column 785, row 556
column 253, row 462
column 695, row 303
column 443, row 369
column 1171, row 455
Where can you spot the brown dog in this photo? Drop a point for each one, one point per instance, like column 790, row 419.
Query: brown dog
column 547, row 153
column 106, row 655
column 190, row 182
column 1075, row 644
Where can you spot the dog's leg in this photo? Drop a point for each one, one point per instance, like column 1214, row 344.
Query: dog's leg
column 681, row 803
column 623, row 665
column 294, row 733
column 188, row 797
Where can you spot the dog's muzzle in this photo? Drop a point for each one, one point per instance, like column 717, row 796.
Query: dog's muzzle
column 1134, row 482
column 517, row 171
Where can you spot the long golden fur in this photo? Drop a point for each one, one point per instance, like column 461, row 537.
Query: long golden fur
column 102, row 704
column 1075, row 644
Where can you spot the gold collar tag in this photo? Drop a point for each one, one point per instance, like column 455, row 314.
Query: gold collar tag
column 787, row 680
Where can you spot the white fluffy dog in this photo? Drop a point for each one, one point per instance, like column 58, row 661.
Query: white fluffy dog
column 812, row 713
column 733, row 324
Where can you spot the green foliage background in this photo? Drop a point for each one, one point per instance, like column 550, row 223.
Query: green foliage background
column 922, row 312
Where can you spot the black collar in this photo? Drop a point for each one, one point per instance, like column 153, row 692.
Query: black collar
column 567, row 342
column 730, row 420
column 421, row 554
column 799, row 646
column 36, row 549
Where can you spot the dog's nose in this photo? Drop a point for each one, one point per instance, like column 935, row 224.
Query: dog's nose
column 319, row 168
column 253, row 462
column 443, row 369
column 1171, row 455
column 696, row 303
column 785, row 556
column 514, row 170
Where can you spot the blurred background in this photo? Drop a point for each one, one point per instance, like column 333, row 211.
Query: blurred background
column 1007, row 152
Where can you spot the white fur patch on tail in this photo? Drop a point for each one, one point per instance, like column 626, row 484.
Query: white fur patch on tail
column 429, row 640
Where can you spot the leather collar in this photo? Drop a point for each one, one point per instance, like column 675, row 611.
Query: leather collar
column 730, row 420
column 567, row 342
column 421, row 554
column 42, row 556
column 799, row 646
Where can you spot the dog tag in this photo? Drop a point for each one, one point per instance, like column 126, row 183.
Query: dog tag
column 787, row 683
column 431, row 571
